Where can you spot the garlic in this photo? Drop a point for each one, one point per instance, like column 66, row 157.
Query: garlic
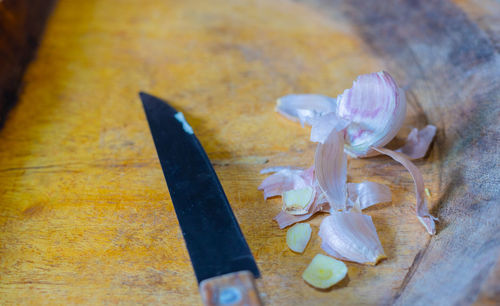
column 351, row 236
column 376, row 108
column 324, row 272
column 330, row 163
column 297, row 201
column 298, row 236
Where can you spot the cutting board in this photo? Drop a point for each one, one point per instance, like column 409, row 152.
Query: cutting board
column 85, row 215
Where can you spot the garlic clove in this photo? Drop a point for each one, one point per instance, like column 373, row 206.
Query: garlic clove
column 366, row 193
column 297, row 201
column 297, row 237
column 423, row 215
column 305, row 106
column 330, row 164
column 351, row 236
column 418, row 142
column 376, row 108
column 324, row 272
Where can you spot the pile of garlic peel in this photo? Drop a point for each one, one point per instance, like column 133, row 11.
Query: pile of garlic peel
column 359, row 123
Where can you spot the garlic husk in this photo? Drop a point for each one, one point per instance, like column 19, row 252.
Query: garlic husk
column 330, row 164
column 324, row 272
column 418, row 142
column 304, row 107
column 423, row 215
column 286, row 179
column 298, row 201
column 351, row 236
column 376, row 108
column 285, row 219
column 322, row 126
column 297, row 237
column 367, row 193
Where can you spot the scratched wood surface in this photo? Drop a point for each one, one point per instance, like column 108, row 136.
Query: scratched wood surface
column 85, row 216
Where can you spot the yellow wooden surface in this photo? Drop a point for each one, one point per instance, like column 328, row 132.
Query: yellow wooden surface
column 85, row 216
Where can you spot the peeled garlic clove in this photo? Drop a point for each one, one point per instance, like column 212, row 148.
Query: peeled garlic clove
column 418, row 142
column 297, row 201
column 351, row 236
column 366, row 193
column 324, row 272
column 423, row 215
column 298, row 236
column 304, row 107
column 330, row 164
column 376, row 108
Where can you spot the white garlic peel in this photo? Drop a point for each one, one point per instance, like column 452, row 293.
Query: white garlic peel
column 324, row 272
column 297, row 201
column 297, row 237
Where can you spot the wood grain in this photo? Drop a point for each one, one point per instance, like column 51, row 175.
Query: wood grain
column 85, row 216
column 21, row 23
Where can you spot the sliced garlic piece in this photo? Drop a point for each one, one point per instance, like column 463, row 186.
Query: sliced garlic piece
column 297, row 201
column 298, row 236
column 324, row 272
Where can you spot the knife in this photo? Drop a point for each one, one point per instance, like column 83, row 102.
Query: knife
column 221, row 259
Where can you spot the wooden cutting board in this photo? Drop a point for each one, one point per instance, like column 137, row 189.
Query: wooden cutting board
column 85, row 216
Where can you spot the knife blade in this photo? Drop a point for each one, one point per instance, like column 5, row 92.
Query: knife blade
column 221, row 259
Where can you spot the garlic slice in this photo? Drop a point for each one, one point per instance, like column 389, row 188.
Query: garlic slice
column 376, row 108
column 351, row 236
column 305, row 106
column 297, row 201
column 423, row 215
column 330, row 164
column 418, row 142
column 297, row 237
column 366, row 193
column 324, row 272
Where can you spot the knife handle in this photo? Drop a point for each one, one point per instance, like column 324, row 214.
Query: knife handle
column 237, row 288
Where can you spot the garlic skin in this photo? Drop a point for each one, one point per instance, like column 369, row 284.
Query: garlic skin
column 418, row 142
column 286, row 178
column 423, row 215
column 376, row 108
column 297, row 237
column 324, row 272
column 330, row 164
column 366, row 194
column 351, row 236
column 304, row 107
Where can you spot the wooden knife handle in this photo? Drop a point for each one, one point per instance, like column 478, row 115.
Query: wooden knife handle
column 236, row 288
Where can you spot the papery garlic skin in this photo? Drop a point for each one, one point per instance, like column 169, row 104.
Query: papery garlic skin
column 351, row 236
column 297, row 237
column 366, row 194
column 418, row 142
column 376, row 109
column 330, row 164
column 324, row 272
column 304, row 107
column 423, row 214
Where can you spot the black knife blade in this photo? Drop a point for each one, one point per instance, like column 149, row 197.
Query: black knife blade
column 213, row 237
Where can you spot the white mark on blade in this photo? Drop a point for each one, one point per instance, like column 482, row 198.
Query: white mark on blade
column 187, row 128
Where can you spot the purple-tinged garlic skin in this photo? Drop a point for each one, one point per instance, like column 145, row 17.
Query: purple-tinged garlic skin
column 375, row 107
